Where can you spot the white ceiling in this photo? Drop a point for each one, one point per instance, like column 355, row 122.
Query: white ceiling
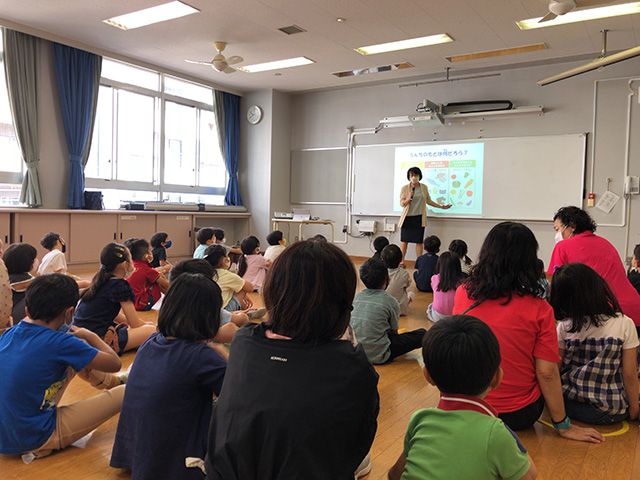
column 250, row 27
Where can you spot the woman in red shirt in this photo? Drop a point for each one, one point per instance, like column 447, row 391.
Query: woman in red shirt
column 503, row 291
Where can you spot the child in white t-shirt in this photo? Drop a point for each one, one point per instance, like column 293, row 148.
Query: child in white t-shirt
column 277, row 244
column 55, row 261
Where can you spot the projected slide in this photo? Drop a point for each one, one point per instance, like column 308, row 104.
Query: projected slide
column 452, row 173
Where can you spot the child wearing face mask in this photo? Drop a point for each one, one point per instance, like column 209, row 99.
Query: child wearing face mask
column 148, row 283
column 55, row 261
column 106, row 307
column 159, row 243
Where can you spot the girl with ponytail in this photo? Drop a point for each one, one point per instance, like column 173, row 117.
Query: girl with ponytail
column 107, row 308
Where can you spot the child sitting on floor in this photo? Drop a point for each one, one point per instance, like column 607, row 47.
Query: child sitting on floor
column 399, row 278
column 167, row 405
column 459, row 247
column 597, row 344
column 21, row 260
column 446, row 279
column 106, row 307
column 253, row 266
column 378, row 244
column 277, row 244
column 55, row 261
column 462, row 438
column 159, row 244
column 426, row 264
column 147, row 283
column 37, row 362
column 375, row 315
column 205, row 239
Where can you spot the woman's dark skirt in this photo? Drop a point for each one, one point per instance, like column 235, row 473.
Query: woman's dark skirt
column 412, row 230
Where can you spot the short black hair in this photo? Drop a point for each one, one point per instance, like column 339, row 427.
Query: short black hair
column 579, row 293
column 204, row 234
column 138, row 247
column 380, row 242
column 191, row 308
column 373, row 273
column 191, row 265
column 575, row 218
column 636, row 252
column 391, row 255
column 309, row 292
column 218, row 233
column 461, row 354
column 275, row 237
column 49, row 295
column 213, row 254
column 415, row 171
column 19, row 257
column 432, row 244
column 49, row 240
column 157, row 239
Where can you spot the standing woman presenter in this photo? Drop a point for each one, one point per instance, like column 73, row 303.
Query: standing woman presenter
column 414, row 199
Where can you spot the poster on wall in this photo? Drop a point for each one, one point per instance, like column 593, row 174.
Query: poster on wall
column 452, row 173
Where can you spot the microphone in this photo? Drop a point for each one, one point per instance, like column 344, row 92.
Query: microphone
column 413, row 189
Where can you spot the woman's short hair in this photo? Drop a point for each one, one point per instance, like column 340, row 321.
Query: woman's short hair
column 507, row 264
column 415, row 171
column 576, row 218
column 19, row 257
column 309, row 292
column 578, row 292
column 191, row 308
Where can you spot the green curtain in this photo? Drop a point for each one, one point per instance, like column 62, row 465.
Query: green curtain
column 21, row 65
column 97, row 74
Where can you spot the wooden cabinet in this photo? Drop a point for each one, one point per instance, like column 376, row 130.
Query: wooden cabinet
column 31, row 227
column 179, row 228
column 5, row 228
column 89, row 233
column 136, row 225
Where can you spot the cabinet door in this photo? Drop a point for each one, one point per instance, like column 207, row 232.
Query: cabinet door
column 136, row 226
column 31, row 227
column 89, row 233
column 5, row 228
column 179, row 228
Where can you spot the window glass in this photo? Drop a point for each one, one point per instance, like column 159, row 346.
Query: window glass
column 9, row 150
column 180, row 144
column 113, row 198
column 9, row 194
column 99, row 164
column 184, row 89
column 124, row 73
column 135, row 139
column 192, row 198
column 213, row 172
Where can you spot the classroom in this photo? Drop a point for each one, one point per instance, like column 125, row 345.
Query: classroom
column 325, row 143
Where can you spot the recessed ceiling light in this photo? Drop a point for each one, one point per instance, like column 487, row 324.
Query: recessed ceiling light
column 582, row 16
column 497, row 53
column 363, row 71
column 148, row 16
column 404, row 44
column 278, row 64
column 341, row 20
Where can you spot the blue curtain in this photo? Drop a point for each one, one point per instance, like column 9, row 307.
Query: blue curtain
column 75, row 75
column 232, row 146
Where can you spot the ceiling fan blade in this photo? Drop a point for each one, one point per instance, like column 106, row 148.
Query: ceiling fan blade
column 547, row 17
column 197, row 62
column 229, row 70
column 235, row 59
column 592, row 3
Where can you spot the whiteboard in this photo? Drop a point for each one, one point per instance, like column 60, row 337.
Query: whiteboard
column 319, row 175
column 525, row 178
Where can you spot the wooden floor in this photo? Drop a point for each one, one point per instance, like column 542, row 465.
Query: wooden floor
column 403, row 390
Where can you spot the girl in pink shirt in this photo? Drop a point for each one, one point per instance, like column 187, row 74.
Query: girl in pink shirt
column 446, row 278
column 253, row 266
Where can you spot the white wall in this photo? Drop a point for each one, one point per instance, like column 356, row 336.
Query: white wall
column 320, row 120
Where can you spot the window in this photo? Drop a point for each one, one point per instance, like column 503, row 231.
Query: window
column 155, row 134
column 11, row 166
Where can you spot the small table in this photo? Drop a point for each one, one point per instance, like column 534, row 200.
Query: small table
column 277, row 221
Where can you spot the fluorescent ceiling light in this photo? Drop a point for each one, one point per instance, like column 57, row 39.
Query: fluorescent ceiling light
column 582, row 15
column 404, row 44
column 278, row 64
column 148, row 16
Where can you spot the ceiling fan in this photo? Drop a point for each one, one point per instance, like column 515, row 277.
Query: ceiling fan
column 219, row 62
column 560, row 7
